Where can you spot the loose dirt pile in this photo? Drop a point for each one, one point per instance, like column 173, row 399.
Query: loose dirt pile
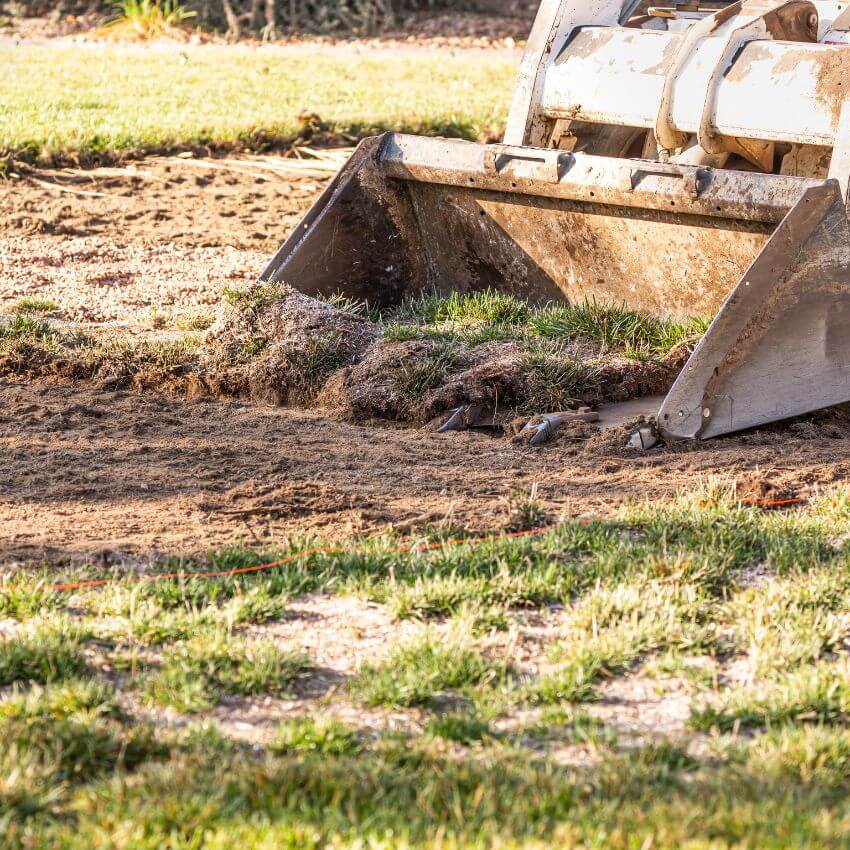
column 278, row 346
column 272, row 344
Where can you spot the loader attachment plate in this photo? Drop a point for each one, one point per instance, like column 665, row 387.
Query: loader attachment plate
column 408, row 213
column 780, row 345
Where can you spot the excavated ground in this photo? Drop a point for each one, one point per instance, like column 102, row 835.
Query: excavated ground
column 91, row 469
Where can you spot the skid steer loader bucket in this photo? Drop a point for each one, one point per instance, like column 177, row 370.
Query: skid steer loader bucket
column 696, row 223
column 409, row 213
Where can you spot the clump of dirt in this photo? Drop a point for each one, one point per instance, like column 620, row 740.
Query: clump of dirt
column 494, row 377
column 621, row 379
column 417, row 380
column 275, row 345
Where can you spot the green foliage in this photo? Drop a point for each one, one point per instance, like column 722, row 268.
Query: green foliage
column 71, row 748
column 48, row 654
column 818, row 693
column 25, row 330
column 637, row 334
column 256, row 298
column 251, row 348
column 351, row 305
column 124, row 358
column 214, row 97
column 418, row 376
column 309, row 367
column 488, row 316
column 664, row 585
column 555, row 379
column 327, row 737
column 66, row 698
column 417, row 673
column 485, row 307
column 34, row 304
column 463, row 728
column 147, row 20
column 195, row 673
column 526, row 510
column 24, row 599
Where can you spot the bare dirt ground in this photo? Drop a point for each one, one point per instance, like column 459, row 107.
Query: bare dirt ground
column 87, row 473
column 168, row 234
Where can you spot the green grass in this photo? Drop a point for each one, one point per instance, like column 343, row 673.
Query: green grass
column 67, row 101
column 87, row 697
column 256, row 298
column 22, row 599
column 49, row 654
column 613, row 326
column 25, row 330
column 194, row 674
column 819, row 693
column 33, row 304
column 461, row 727
column 417, row 673
column 416, row 377
column 397, row 795
column 487, row 316
column 613, row 627
column 328, row 737
column 461, row 745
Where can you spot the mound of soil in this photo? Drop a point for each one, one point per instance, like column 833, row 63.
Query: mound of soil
column 396, row 381
column 275, row 345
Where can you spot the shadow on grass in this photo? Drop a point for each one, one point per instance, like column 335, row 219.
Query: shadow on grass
column 399, row 796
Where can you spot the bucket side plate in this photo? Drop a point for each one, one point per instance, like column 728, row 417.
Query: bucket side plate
column 780, row 345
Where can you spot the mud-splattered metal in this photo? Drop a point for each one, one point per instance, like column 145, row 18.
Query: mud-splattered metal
column 638, row 169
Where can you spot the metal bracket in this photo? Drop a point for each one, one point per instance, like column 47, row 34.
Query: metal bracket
column 668, row 137
column 496, row 157
column 693, row 179
column 737, row 24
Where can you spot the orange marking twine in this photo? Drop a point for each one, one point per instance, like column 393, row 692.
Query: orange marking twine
column 332, row 550
column 306, row 553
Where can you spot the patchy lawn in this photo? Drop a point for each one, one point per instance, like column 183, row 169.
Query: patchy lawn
column 676, row 676
column 69, row 100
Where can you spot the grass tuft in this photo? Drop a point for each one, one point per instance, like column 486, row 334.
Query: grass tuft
column 33, row 304
column 326, row 737
column 258, row 297
column 416, row 674
column 66, row 698
column 194, row 674
column 49, row 654
column 462, row 728
column 616, row 327
column 820, row 693
column 555, row 380
column 419, row 376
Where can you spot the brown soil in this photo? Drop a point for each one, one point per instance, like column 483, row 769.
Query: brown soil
column 90, row 472
column 169, row 234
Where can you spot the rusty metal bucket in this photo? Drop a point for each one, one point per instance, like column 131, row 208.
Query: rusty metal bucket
column 408, row 213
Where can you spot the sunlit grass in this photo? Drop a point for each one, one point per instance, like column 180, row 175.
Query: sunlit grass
column 69, row 100
column 460, row 732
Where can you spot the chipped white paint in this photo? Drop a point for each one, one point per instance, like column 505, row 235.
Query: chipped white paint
column 616, row 76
